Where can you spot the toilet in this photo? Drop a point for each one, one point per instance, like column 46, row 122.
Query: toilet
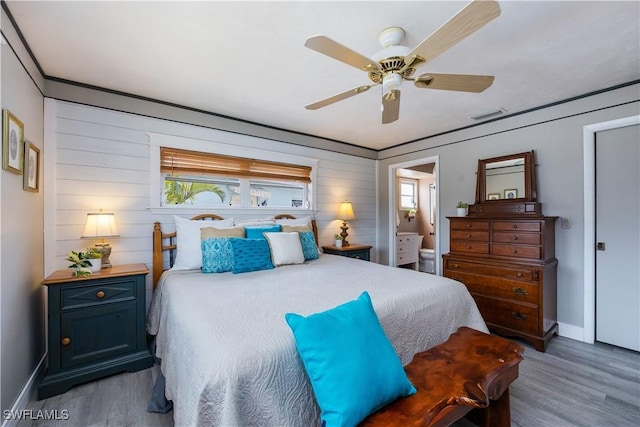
column 426, row 259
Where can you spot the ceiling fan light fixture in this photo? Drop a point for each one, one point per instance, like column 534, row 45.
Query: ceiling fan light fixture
column 390, row 82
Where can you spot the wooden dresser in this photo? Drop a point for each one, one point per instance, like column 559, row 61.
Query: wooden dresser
column 504, row 252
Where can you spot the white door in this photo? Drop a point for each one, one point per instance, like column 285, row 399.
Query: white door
column 618, row 237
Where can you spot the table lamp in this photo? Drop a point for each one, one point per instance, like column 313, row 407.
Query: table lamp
column 100, row 225
column 345, row 214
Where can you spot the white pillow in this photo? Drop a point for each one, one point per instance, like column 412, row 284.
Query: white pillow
column 285, row 248
column 297, row 221
column 189, row 256
column 254, row 222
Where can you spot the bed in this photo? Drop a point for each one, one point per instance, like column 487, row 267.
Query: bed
column 229, row 357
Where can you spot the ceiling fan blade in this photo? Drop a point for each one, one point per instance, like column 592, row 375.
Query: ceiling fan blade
column 335, row 50
column 457, row 82
column 339, row 97
column 474, row 16
column 390, row 106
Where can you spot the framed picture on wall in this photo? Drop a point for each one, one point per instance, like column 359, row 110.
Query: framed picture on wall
column 493, row 196
column 12, row 143
column 511, row 194
column 31, row 167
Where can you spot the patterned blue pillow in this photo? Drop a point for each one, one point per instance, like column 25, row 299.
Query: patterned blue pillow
column 309, row 247
column 250, row 255
column 217, row 255
column 256, row 232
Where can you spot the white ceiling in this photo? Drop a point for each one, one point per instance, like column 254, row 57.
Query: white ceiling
column 248, row 60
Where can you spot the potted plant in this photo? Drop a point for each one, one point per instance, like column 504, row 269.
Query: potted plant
column 81, row 266
column 462, row 208
column 338, row 240
column 94, row 257
column 85, row 262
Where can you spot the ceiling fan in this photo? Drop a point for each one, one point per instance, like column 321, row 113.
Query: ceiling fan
column 396, row 63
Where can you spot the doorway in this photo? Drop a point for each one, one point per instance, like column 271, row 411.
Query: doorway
column 427, row 205
column 589, row 145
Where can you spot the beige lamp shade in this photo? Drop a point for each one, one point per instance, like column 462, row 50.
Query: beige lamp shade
column 100, row 224
column 346, row 211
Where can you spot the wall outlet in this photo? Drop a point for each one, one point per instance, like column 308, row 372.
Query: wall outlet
column 565, row 222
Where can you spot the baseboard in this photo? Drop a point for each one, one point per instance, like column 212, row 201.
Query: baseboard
column 571, row 331
column 27, row 391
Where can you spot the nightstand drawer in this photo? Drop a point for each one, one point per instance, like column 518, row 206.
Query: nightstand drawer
column 359, row 254
column 97, row 333
column 96, row 294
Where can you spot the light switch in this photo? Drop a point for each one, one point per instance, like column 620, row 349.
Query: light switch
column 565, row 222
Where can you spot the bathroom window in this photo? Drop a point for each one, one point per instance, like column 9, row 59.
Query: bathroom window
column 408, row 194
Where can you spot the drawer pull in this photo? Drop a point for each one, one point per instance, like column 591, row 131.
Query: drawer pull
column 468, row 236
column 469, row 247
column 518, row 315
column 357, row 256
column 100, row 294
column 515, row 226
column 514, row 238
column 456, row 265
column 515, row 251
column 468, row 225
column 519, row 274
column 66, row 341
column 519, row 291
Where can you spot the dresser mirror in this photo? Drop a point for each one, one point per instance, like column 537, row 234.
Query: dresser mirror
column 505, row 179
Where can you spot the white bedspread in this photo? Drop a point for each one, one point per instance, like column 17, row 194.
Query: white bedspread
column 230, row 359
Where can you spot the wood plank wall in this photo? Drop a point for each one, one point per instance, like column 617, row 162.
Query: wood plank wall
column 101, row 161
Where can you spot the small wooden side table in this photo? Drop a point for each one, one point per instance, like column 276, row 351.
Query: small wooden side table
column 96, row 326
column 351, row 251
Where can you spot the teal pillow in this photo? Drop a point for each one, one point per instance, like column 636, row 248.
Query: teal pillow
column 250, row 255
column 353, row 368
column 256, row 232
column 309, row 247
column 217, row 255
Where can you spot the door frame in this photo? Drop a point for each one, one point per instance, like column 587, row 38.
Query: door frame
column 393, row 206
column 589, row 147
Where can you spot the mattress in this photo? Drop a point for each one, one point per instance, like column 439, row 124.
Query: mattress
column 229, row 357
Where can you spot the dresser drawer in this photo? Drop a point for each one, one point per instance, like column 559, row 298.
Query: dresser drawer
column 96, row 294
column 496, row 286
column 470, row 235
column 521, row 317
column 516, row 237
column 470, row 247
column 517, row 251
column 469, row 225
column 519, row 273
column 516, row 225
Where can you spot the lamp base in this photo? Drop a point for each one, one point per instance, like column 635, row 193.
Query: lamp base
column 105, row 250
column 344, row 227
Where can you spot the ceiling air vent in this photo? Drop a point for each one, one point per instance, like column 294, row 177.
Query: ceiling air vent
column 488, row 114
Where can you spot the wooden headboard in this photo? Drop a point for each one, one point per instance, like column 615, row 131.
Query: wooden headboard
column 167, row 242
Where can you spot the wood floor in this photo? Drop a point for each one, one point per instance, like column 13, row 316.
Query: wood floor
column 572, row 384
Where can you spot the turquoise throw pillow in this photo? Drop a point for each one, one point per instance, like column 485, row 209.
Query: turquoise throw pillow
column 256, row 232
column 217, row 255
column 250, row 255
column 353, row 368
column 309, row 247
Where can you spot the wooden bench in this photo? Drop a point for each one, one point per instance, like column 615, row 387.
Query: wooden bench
column 470, row 370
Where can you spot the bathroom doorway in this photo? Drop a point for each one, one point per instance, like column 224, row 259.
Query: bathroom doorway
column 413, row 207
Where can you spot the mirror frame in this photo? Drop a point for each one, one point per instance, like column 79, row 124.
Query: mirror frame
column 530, row 192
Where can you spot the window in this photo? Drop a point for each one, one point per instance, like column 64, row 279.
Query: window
column 408, row 194
column 207, row 179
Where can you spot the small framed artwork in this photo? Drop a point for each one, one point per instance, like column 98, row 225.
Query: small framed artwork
column 31, row 167
column 493, row 196
column 511, row 194
column 12, row 142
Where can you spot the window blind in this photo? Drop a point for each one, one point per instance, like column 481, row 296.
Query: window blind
column 185, row 162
